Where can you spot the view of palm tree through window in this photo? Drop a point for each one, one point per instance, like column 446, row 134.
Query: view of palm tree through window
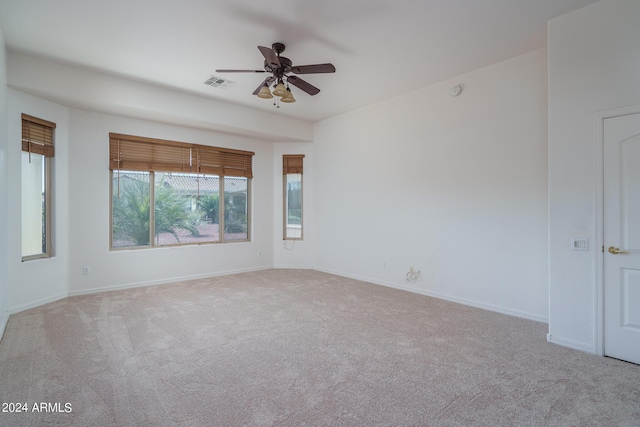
column 187, row 209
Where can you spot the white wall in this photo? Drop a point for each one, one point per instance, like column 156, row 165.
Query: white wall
column 594, row 66
column 4, row 198
column 89, row 211
column 37, row 281
column 454, row 186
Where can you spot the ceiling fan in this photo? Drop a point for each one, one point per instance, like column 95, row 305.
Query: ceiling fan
column 280, row 68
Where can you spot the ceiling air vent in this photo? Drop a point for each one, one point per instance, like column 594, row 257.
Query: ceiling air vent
column 219, row 82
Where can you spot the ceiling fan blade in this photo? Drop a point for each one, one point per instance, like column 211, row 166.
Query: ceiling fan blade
column 312, row 69
column 266, row 81
column 301, row 84
column 270, row 55
column 240, row 71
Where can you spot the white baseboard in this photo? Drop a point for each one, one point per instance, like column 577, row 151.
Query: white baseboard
column 3, row 323
column 446, row 297
column 38, row 303
column 293, row 267
column 588, row 348
column 164, row 281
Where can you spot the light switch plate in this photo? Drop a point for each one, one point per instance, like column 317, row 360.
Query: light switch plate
column 579, row 244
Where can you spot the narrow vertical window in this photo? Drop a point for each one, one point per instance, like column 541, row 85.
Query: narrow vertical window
column 292, row 179
column 37, row 152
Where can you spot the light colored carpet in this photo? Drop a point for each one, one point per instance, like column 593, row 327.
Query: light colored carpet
column 299, row 348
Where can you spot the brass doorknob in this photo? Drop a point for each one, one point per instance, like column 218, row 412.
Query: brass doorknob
column 616, row 251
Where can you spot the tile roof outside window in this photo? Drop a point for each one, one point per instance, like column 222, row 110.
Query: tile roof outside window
column 192, row 184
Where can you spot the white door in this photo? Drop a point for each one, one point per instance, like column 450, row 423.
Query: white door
column 622, row 237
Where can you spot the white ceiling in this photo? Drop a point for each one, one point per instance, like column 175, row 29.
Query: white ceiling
column 380, row 48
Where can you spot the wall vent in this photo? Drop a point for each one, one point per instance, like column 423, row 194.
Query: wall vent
column 219, row 82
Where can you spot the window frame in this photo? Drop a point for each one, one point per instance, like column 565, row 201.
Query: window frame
column 151, row 216
column 292, row 164
column 39, row 139
column 201, row 160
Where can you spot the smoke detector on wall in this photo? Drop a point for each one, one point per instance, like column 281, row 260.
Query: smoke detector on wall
column 456, row 90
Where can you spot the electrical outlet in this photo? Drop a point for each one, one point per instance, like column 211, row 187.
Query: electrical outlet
column 86, row 270
column 259, row 253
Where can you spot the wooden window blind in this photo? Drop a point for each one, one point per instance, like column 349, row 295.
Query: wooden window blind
column 137, row 153
column 37, row 136
column 292, row 163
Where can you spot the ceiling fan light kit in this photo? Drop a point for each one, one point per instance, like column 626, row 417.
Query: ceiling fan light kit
column 280, row 90
column 288, row 97
column 264, row 92
column 280, row 67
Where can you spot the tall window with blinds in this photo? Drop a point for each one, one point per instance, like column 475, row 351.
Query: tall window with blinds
column 292, row 183
column 167, row 193
column 37, row 154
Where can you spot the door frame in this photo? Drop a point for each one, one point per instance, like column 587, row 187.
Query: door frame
column 599, row 118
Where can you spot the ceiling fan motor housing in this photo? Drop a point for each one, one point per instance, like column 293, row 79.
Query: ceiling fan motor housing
column 278, row 47
column 285, row 66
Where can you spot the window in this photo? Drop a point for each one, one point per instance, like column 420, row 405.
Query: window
column 37, row 152
column 171, row 193
column 292, row 172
